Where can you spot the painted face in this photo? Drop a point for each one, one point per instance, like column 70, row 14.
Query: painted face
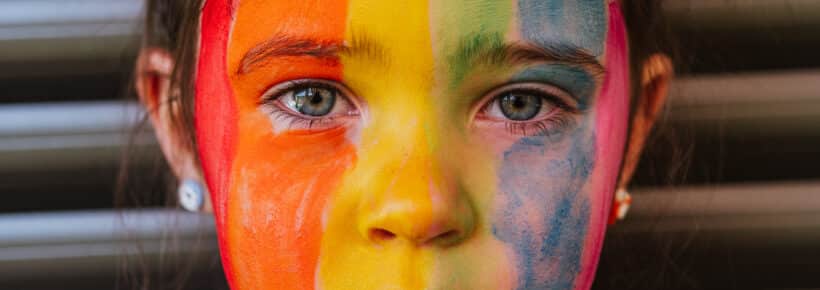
column 370, row 144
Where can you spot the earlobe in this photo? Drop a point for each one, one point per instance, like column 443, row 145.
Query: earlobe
column 656, row 75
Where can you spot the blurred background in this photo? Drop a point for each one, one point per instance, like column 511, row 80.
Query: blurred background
column 727, row 197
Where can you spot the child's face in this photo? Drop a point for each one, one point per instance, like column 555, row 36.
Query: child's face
column 371, row 144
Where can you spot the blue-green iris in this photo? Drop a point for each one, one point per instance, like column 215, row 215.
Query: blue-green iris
column 314, row 101
column 519, row 106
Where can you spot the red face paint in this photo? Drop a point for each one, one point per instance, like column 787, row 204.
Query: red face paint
column 270, row 188
column 215, row 109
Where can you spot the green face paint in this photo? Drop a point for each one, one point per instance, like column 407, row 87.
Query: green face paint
column 464, row 26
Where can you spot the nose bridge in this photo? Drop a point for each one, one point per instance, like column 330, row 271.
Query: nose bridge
column 414, row 200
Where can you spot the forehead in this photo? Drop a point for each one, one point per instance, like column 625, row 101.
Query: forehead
column 547, row 23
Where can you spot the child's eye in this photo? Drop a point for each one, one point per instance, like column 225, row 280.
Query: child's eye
column 312, row 99
column 526, row 109
column 525, row 102
column 519, row 106
column 309, row 104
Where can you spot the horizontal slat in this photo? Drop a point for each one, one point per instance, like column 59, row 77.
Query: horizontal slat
column 21, row 13
column 51, row 36
column 744, row 14
column 70, row 246
column 756, row 104
column 52, row 136
column 753, row 206
column 33, row 229
column 45, row 119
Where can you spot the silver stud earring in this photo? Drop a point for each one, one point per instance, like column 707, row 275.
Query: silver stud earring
column 191, row 195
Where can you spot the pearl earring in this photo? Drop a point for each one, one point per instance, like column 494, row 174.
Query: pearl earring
column 191, row 195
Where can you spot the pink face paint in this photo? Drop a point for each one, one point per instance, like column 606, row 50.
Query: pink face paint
column 612, row 116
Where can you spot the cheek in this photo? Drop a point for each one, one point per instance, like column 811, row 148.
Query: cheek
column 543, row 206
column 281, row 185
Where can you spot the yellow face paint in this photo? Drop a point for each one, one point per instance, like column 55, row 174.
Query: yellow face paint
column 390, row 69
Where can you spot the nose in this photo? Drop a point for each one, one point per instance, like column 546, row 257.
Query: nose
column 418, row 206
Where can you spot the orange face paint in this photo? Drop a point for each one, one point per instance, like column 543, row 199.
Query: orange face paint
column 272, row 193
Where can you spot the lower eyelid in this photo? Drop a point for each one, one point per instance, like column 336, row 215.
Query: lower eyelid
column 555, row 121
column 548, row 126
column 286, row 120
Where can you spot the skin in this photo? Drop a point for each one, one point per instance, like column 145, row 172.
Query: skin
column 419, row 186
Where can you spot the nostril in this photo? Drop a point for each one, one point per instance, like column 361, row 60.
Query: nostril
column 449, row 235
column 381, row 235
column 445, row 238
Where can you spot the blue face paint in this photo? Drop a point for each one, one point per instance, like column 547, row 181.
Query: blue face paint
column 541, row 177
column 576, row 81
column 543, row 213
column 575, row 23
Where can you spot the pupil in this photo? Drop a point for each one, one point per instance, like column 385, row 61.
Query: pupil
column 519, row 103
column 315, row 99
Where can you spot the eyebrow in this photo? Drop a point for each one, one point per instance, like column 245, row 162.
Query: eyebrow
column 329, row 50
column 478, row 49
column 490, row 49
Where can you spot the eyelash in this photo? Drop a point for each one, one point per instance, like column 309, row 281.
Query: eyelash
column 544, row 127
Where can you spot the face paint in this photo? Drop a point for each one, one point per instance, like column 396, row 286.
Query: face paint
column 216, row 114
column 576, row 81
column 612, row 113
column 279, row 182
column 397, row 177
column 420, row 189
column 554, row 22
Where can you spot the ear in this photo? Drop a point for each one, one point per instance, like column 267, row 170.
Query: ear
column 656, row 74
column 153, row 82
